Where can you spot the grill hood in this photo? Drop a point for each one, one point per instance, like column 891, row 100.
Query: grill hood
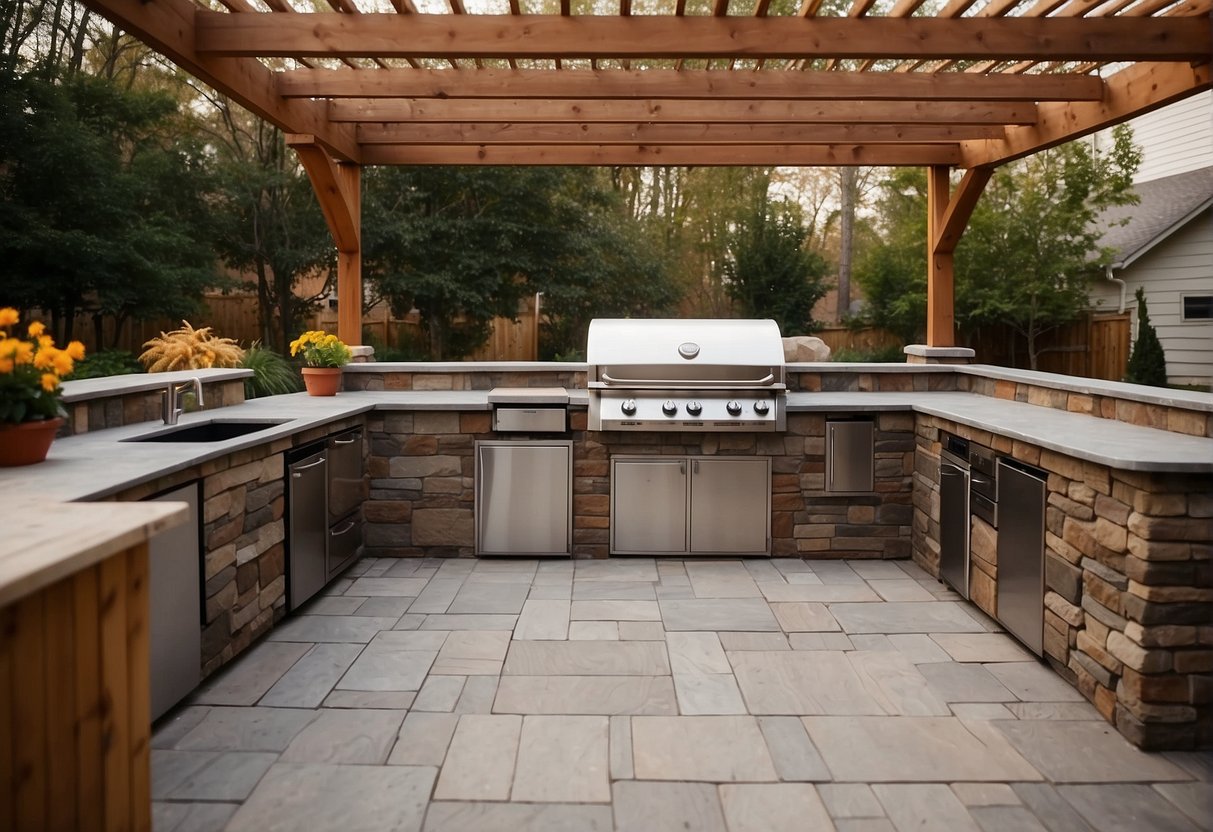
column 684, row 352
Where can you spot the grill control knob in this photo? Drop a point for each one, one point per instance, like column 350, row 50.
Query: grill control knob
column 628, row 407
column 694, row 408
column 669, row 408
column 734, row 408
column 761, row 408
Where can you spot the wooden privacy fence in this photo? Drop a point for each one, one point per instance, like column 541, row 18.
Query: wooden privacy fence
column 1094, row 346
column 861, row 340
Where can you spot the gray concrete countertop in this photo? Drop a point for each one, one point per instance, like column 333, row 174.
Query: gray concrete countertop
column 1105, row 441
column 110, row 386
column 95, row 465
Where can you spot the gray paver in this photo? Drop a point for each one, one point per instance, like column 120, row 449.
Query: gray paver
column 393, row 587
column 346, row 737
column 244, row 683
column 191, row 817
column 954, row 682
column 708, row 693
column 1005, row 819
column 439, row 693
column 391, row 700
column 388, row 668
column 423, row 739
column 543, row 620
column 1033, row 682
column 1126, row 808
column 850, row 800
column 246, row 729
column 489, row 597
column 613, row 591
column 585, row 695
column 1105, row 755
column 562, row 759
column 176, row 725
column 478, row 695
column 1193, row 799
column 906, row 617
column 620, row 741
column 902, row 590
column 641, row 631
column 593, row 631
column 804, row 617
column 228, row 777
column 588, row 658
column 480, row 760
column 710, row 748
column 312, row 678
column 666, row 807
column 981, row 647
column 772, row 807
column 914, row 806
column 512, row 817
column 801, row 682
column 385, row 606
column 615, row 611
column 743, row 614
column 314, row 628
column 1050, row 808
column 791, row 750
column 469, row 622
column 349, row 798
column 753, row 641
column 818, row 592
column 985, row 794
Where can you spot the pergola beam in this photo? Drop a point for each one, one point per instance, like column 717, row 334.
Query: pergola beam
column 331, row 34
column 947, row 216
column 669, row 134
column 691, row 85
column 677, row 111
column 168, row 26
column 1130, row 92
column 658, row 155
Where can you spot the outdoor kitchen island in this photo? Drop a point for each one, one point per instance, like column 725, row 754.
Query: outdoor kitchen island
column 1127, row 543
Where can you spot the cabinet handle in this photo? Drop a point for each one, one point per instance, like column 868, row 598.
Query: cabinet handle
column 295, row 472
column 346, row 441
column 682, row 467
column 348, row 526
column 695, row 466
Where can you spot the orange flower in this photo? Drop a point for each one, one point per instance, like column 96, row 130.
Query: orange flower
column 36, row 329
column 63, row 362
column 44, row 359
column 49, row 382
column 8, row 316
column 76, row 350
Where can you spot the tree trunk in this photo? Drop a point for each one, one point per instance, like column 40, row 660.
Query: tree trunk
column 848, row 183
column 265, row 312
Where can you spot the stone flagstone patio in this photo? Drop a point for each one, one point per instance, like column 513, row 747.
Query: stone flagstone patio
column 642, row 696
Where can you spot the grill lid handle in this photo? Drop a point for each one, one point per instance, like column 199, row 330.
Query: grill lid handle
column 682, row 382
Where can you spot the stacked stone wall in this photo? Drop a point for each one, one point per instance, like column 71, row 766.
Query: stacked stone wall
column 1128, row 584
column 390, row 379
column 422, row 498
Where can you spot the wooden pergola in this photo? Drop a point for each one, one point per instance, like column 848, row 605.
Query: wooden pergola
column 968, row 84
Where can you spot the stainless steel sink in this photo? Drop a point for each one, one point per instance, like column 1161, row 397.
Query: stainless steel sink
column 216, row 430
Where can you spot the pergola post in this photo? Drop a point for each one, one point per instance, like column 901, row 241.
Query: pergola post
column 338, row 189
column 947, row 217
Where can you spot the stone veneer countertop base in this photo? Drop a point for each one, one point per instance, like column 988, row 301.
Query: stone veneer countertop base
column 95, row 465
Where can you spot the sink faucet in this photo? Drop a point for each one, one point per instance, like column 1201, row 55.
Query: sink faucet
column 171, row 409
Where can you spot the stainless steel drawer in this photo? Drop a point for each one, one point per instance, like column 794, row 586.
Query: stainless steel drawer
column 529, row 419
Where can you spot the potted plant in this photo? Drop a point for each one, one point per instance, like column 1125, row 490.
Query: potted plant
column 31, row 406
column 324, row 355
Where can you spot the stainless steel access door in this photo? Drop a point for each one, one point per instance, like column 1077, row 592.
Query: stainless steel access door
column 524, row 498
column 345, row 474
column 307, row 484
column 648, row 506
column 954, row 522
column 850, row 456
column 175, row 602
column 731, row 506
column 1021, row 536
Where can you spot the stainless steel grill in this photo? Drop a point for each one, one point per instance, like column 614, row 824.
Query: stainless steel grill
column 686, row 375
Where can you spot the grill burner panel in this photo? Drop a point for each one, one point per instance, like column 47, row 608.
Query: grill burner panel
column 692, row 375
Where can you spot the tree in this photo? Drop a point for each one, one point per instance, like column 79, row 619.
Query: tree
column 1029, row 251
column 85, row 165
column 1147, row 363
column 771, row 274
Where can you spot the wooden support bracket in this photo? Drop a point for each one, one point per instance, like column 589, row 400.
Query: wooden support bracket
column 338, row 189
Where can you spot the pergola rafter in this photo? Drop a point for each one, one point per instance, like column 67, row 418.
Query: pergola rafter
column 974, row 85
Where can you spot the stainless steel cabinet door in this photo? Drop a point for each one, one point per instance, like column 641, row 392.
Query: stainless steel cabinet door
column 307, row 567
column 850, row 456
column 176, row 606
column 1021, row 536
column 648, row 506
column 730, row 506
column 345, row 474
column 954, row 526
column 523, row 498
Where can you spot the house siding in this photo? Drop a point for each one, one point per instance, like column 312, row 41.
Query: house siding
column 1180, row 264
column 1174, row 139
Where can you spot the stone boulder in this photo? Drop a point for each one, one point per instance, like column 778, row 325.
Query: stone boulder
column 805, row 348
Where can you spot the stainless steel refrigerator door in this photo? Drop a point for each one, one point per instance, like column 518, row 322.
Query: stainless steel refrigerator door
column 524, row 498
column 954, row 526
column 648, row 506
column 307, row 570
column 731, row 506
column 175, row 597
column 1021, row 534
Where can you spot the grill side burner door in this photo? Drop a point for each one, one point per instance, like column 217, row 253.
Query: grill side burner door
column 649, row 506
column 731, row 506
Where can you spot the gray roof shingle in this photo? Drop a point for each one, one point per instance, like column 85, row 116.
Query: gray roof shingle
column 1164, row 203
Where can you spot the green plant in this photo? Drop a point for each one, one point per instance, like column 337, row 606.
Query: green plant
column 273, row 375
column 30, row 371
column 319, row 349
column 893, row 354
column 106, row 363
column 1148, row 362
column 189, row 349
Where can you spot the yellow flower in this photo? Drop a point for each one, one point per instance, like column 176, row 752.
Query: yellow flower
column 45, row 342
column 49, row 382
column 76, row 350
column 24, row 353
column 8, row 316
column 36, row 329
column 63, row 362
column 44, row 359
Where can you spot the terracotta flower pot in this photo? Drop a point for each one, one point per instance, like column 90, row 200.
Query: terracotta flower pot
column 28, row 442
column 322, row 381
